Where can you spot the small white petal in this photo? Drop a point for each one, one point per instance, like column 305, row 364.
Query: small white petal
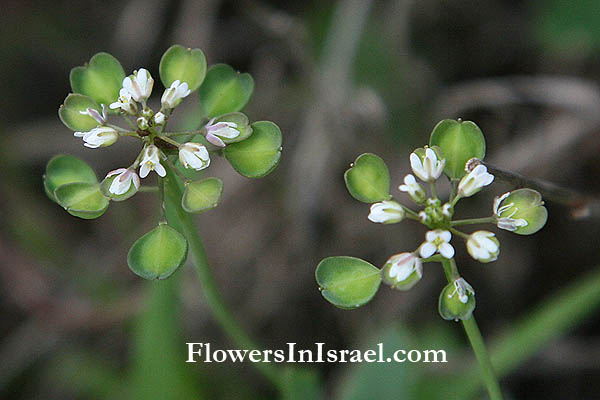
column 446, row 250
column 427, row 249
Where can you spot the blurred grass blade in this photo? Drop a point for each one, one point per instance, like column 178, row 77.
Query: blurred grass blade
column 551, row 319
column 159, row 352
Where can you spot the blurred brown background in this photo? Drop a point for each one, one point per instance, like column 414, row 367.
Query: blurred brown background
column 339, row 78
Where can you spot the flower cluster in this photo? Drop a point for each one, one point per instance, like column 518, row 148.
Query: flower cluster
column 103, row 94
column 402, row 271
column 149, row 127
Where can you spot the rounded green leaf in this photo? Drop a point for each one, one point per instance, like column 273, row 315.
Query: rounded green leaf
column 63, row 169
column 186, row 65
column 459, row 141
column 243, row 126
column 368, row 179
column 70, row 115
column 83, row 200
column 202, row 195
column 225, row 90
column 101, row 79
column 347, row 282
column 258, row 155
column 158, row 253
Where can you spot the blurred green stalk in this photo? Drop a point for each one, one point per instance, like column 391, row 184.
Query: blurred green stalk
column 184, row 221
column 476, row 340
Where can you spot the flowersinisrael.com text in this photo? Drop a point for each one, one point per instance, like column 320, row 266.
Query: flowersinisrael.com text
column 203, row 352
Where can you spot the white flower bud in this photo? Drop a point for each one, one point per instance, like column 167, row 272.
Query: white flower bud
column 428, row 168
column 386, row 212
column 483, row 246
column 474, row 181
column 101, row 136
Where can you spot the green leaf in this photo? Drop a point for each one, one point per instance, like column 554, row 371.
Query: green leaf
column 258, row 155
column 186, row 65
column 63, row 169
column 83, row 200
column 301, row 383
column 158, row 253
column 225, row 90
column 202, row 195
column 368, row 179
column 69, row 112
column 347, row 282
column 381, row 380
column 459, row 141
column 101, row 79
column 158, row 350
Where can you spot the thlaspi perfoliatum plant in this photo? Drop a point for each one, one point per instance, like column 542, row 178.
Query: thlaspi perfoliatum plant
column 103, row 95
column 455, row 150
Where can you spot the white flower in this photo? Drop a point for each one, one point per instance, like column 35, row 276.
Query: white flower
column 462, row 289
column 92, row 112
column 101, row 136
column 424, row 217
column 124, row 102
column 151, row 162
column 386, row 212
column 139, row 85
column 483, row 246
column 174, row 94
column 194, row 155
column 214, row 132
column 122, row 183
column 474, row 181
column 403, row 265
column 414, row 189
column 507, row 223
column 437, row 241
column 159, row 118
column 429, row 168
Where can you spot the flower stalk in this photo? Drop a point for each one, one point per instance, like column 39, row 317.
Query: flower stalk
column 476, row 340
column 216, row 303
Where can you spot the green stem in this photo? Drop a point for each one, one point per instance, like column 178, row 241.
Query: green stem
column 183, row 133
column 476, row 340
column 459, row 233
column 433, row 192
column 168, row 140
column 470, row 221
column 453, row 188
column 410, row 213
column 481, row 353
column 214, row 298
